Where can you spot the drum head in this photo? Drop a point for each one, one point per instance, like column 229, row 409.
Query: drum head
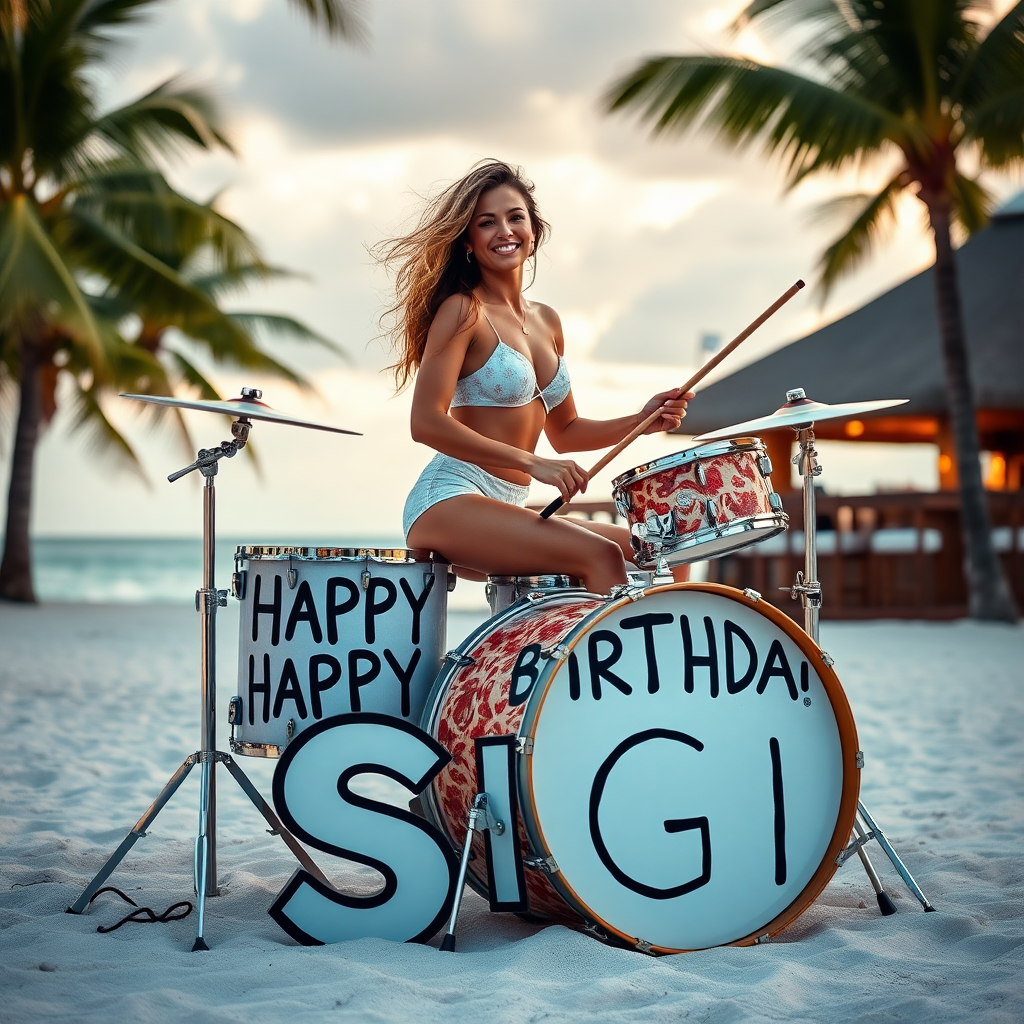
column 693, row 770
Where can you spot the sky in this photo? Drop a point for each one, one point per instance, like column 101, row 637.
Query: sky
column 655, row 242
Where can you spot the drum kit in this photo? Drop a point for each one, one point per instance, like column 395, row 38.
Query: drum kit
column 683, row 764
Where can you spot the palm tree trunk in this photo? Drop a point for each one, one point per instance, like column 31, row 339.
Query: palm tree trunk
column 16, row 567
column 989, row 594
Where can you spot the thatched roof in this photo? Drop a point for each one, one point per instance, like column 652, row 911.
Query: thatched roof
column 890, row 347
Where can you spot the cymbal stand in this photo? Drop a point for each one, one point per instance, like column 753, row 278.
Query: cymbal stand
column 807, row 588
column 208, row 600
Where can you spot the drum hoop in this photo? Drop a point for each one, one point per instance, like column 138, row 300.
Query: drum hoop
column 323, row 553
column 683, row 458
column 735, row 527
column 848, row 743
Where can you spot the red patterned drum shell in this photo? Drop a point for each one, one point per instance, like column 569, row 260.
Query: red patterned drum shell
column 748, row 751
column 700, row 503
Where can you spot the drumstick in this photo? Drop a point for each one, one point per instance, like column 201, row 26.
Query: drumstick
column 696, row 378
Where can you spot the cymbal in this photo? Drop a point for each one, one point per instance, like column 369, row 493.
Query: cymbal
column 248, row 406
column 799, row 412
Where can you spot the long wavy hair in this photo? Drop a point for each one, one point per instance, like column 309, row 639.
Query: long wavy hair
column 429, row 264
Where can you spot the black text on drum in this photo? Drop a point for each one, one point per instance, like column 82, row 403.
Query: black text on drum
column 728, row 663
column 284, row 689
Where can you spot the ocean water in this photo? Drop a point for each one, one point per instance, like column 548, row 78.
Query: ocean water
column 165, row 570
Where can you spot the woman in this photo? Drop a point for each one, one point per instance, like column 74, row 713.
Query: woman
column 479, row 352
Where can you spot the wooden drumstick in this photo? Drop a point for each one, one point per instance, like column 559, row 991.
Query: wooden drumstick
column 695, row 379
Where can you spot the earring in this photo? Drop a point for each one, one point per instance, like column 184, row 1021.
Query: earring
column 469, row 255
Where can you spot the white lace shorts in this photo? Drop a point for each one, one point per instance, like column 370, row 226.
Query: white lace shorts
column 444, row 477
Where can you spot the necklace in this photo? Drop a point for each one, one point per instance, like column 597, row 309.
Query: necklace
column 522, row 323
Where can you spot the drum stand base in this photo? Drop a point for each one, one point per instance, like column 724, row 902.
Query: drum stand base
column 807, row 589
column 208, row 599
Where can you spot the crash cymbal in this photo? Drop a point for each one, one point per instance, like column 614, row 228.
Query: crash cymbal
column 248, row 406
column 799, row 411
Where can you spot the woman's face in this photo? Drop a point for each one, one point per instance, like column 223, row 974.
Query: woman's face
column 500, row 233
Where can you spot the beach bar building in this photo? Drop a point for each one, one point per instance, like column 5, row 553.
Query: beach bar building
column 895, row 554
column 892, row 554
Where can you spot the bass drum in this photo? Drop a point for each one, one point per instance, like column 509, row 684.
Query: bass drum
column 686, row 762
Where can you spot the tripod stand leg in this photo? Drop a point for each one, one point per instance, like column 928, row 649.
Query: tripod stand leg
column 884, row 843
column 885, row 904
column 137, row 832
column 203, row 853
column 273, row 820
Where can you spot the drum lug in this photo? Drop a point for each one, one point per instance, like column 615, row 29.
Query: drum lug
column 775, row 500
column 293, row 578
column 644, row 946
column 289, row 729
column 860, row 758
column 364, row 578
column 234, row 710
column 710, row 514
column 238, row 582
column 452, row 580
column 702, row 477
column 545, row 864
column 524, row 745
column 765, row 465
column 461, row 660
column 827, row 659
column 753, row 595
column 762, row 940
column 559, row 652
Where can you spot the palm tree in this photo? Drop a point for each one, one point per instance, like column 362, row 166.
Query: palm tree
column 85, row 219
column 919, row 89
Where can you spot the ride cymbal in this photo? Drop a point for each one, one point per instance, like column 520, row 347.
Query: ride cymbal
column 798, row 412
column 248, row 406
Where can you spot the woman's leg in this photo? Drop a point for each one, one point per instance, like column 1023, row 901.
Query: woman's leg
column 491, row 537
column 619, row 534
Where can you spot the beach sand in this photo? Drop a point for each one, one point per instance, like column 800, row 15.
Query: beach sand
column 100, row 704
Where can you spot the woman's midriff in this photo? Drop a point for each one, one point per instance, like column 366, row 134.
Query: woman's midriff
column 519, row 427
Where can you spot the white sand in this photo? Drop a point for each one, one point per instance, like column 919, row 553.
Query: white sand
column 101, row 704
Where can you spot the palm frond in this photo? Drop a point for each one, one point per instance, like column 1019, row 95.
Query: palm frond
column 972, row 204
column 240, row 277
column 237, row 349
column 36, row 279
column 162, row 121
column 286, row 327
column 101, row 436
column 344, row 19
column 742, row 102
column 875, row 216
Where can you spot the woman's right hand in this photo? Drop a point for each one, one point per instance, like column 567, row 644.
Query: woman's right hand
column 569, row 477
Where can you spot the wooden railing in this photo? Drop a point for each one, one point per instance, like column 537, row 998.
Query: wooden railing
column 896, row 555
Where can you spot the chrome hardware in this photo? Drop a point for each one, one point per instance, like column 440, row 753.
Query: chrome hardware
column 289, row 729
column 222, row 598
column 860, row 758
column 207, row 599
column 752, row 595
column 293, row 578
column 559, row 651
column 234, row 710
column 238, row 582
column 763, row 940
column 364, row 578
column 775, row 500
column 545, row 864
column 765, row 465
column 856, row 842
column 252, row 393
column 795, row 395
column 710, row 514
column 524, row 745
column 828, row 659
column 811, row 590
column 702, row 477
column 643, row 946
column 452, row 580
column 461, row 660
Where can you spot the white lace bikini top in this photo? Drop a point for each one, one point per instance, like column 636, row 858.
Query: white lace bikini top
column 509, row 379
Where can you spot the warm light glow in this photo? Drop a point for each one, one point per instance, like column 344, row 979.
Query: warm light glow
column 854, row 428
column 995, row 480
column 945, row 463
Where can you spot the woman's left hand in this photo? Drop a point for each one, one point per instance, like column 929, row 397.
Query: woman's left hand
column 673, row 409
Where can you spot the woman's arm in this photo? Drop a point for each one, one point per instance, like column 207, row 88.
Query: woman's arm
column 448, row 342
column 568, row 432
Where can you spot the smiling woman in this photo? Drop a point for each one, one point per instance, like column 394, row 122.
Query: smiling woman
column 479, row 352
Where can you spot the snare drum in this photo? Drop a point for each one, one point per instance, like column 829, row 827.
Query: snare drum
column 324, row 631
column 684, row 761
column 700, row 503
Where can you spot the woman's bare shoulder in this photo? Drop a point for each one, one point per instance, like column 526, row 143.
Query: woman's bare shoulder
column 455, row 317
column 551, row 320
